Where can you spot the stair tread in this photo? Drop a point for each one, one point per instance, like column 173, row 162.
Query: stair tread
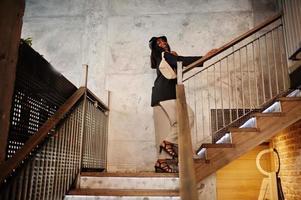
column 123, row 192
column 289, row 99
column 128, row 174
column 268, row 114
column 221, row 145
column 243, row 130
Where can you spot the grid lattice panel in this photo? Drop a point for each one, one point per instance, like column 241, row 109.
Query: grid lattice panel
column 52, row 169
column 39, row 91
column 95, row 138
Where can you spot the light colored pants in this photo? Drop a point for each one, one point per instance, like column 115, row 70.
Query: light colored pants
column 166, row 126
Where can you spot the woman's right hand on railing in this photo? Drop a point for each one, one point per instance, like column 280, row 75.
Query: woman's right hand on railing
column 211, row 52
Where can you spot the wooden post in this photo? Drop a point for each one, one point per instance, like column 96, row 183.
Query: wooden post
column 11, row 14
column 188, row 190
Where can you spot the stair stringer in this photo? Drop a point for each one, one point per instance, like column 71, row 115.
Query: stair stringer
column 243, row 141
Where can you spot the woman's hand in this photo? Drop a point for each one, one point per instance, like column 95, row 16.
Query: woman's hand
column 212, row 51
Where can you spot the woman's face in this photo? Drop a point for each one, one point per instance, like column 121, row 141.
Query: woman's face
column 162, row 44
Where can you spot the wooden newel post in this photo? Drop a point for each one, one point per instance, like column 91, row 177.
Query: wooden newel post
column 11, row 14
column 188, row 189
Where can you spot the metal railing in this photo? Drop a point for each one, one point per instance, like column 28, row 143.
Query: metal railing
column 50, row 169
column 292, row 24
column 242, row 77
column 56, row 131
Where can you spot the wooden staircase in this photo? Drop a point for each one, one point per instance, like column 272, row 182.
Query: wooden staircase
column 245, row 139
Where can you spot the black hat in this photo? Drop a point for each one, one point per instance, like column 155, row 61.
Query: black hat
column 153, row 40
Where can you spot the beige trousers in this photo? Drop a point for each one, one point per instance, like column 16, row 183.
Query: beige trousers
column 166, row 126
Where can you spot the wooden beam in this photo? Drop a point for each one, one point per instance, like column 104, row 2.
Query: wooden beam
column 11, row 14
column 188, row 190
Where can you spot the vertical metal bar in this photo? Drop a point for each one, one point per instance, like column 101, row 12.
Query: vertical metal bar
column 215, row 106
column 249, row 78
column 255, row 74
column 83, row 121
column 31, row 179
column 209, row 109
column 275, row 63
column 268, row 66
column 221, row 89
column 65, row 158
column 195, row 111
column 202, row 101
column 44, row 165
column 281, row 59
column 26, row 181
column 60, row 157
column 230, row 89
column 293, row 28
column 298, row 19
column 262, row 73
column 56, row 139
column 73, row 145
column 242, row 82
column 235, row 85
column 287, row 29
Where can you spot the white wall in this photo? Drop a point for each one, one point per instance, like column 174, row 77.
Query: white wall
column 111, row 36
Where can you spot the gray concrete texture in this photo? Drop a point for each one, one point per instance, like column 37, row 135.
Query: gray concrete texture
column 111, row 36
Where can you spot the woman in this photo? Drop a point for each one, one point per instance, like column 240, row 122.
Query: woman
column 164, row 103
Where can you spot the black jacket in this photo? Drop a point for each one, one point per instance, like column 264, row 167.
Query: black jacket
column 165, row 89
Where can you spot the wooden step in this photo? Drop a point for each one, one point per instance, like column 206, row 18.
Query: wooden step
column 267, row 128
column 120, row 192
column 243, row 130
column 268, row 114
column 126, row 174
column 221, row 145
column 289, row 99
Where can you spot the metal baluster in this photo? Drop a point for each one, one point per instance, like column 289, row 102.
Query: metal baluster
column 281, row 59
column 215, row 106
column 208, row 96
column 255, row 73
column 202, row 101
column 195, row 113
column 44, row 175
column 221, row 89
column 268, row 66
column 275, row 63
column 65, row 158
column 262, row 74
column 235, row 85
column 242, row 82
column 230, row 89
column 249, row 78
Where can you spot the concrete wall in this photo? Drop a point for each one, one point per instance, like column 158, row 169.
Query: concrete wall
column 111, row 36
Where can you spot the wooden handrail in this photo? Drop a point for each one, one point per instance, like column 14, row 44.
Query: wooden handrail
column 188, row 189
column 233, row 42
column 95, row 98
column 9, row 165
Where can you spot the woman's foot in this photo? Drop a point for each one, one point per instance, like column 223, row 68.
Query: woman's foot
column 162, row 166
column 170, row 148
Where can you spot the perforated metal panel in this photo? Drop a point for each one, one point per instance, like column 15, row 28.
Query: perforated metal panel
column 95, row 137
column 39, row 91
column 52, row 168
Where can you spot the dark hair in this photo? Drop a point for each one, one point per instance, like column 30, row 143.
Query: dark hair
column 156, row 53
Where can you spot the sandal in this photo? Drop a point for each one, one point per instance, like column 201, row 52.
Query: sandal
column 162, row 166
column 170, row 148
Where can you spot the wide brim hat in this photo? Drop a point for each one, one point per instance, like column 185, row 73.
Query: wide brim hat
column 153, row 41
